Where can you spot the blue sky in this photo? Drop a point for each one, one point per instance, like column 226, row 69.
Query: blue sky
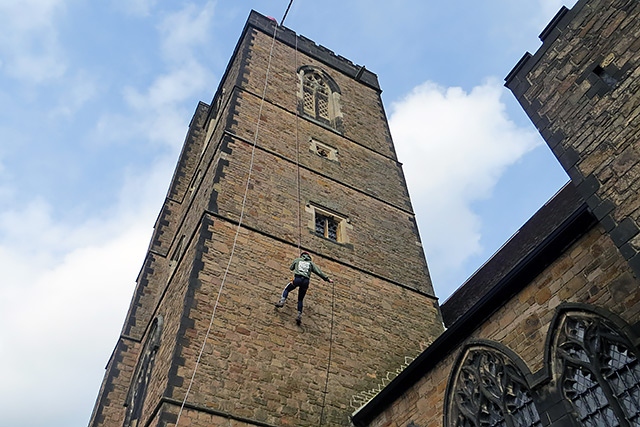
column 95, row 100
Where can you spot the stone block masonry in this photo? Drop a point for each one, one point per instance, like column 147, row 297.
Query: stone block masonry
column 591, row 272
column 257, row 366
column 582, row 90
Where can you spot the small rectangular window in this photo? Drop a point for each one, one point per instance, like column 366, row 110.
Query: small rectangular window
column 328, row 224
column 177, row 252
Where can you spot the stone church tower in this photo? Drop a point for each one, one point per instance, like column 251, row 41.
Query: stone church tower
column 293, row 154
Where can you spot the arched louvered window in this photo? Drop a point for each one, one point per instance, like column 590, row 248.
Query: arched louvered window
column 319, row 97
column 142, row 375
column 599, row 370
column 488, row 389
column 316, row 96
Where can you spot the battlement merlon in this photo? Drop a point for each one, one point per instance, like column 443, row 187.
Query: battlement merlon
column 516, row 80
column 308, row 47
column 304, row 45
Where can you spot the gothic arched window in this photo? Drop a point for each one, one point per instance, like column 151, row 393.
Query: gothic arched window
column 319, row 97
column 598, row 370
column 142, row 374
column 488, row 389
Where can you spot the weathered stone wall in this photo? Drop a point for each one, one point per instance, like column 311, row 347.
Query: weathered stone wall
column 259, row 365
column 357, row 166
column 272, row 208
column 582, row 91
column 591, row 271
column 109, row 410
column 363, row 113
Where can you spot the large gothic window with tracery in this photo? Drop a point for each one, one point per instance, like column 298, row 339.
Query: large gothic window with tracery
column 319, row 97
column 142, row 375
column 599, row 369
column 488, row 389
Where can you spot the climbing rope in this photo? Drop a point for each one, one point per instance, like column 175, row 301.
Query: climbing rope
column 297, row 145
column 235, row 239
column 326, row 382
column 333, row 289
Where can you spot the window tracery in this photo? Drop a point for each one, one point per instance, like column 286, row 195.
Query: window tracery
column 600, row 373
column 319, row 97
column 489, row 390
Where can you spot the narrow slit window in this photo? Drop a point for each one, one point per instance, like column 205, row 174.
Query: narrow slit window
column 195, row 181
column 142, row 375
column 178, row 251
column 607, row 78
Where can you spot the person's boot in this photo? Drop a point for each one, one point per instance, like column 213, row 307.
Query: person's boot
column 299, row 318
column 281, row 302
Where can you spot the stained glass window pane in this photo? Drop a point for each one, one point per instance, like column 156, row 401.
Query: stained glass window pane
column 624, row 377
column 601, row 372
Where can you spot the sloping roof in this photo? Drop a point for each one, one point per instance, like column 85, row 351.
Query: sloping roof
column 540, row 227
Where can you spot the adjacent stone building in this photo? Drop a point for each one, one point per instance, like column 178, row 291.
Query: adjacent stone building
column 547, row 332
column 293, row 153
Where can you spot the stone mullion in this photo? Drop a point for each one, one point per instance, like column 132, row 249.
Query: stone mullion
column 602, row 381
column 473, row 416
column 489, row 397
column 513, row 378
column 502, row 381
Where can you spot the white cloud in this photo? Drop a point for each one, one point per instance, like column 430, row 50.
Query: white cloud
column 169, row 89
column 29, row 40
column 158, row 110
column 65, row 299
column 186, row 29
column 454, row 145
column 66, row 285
